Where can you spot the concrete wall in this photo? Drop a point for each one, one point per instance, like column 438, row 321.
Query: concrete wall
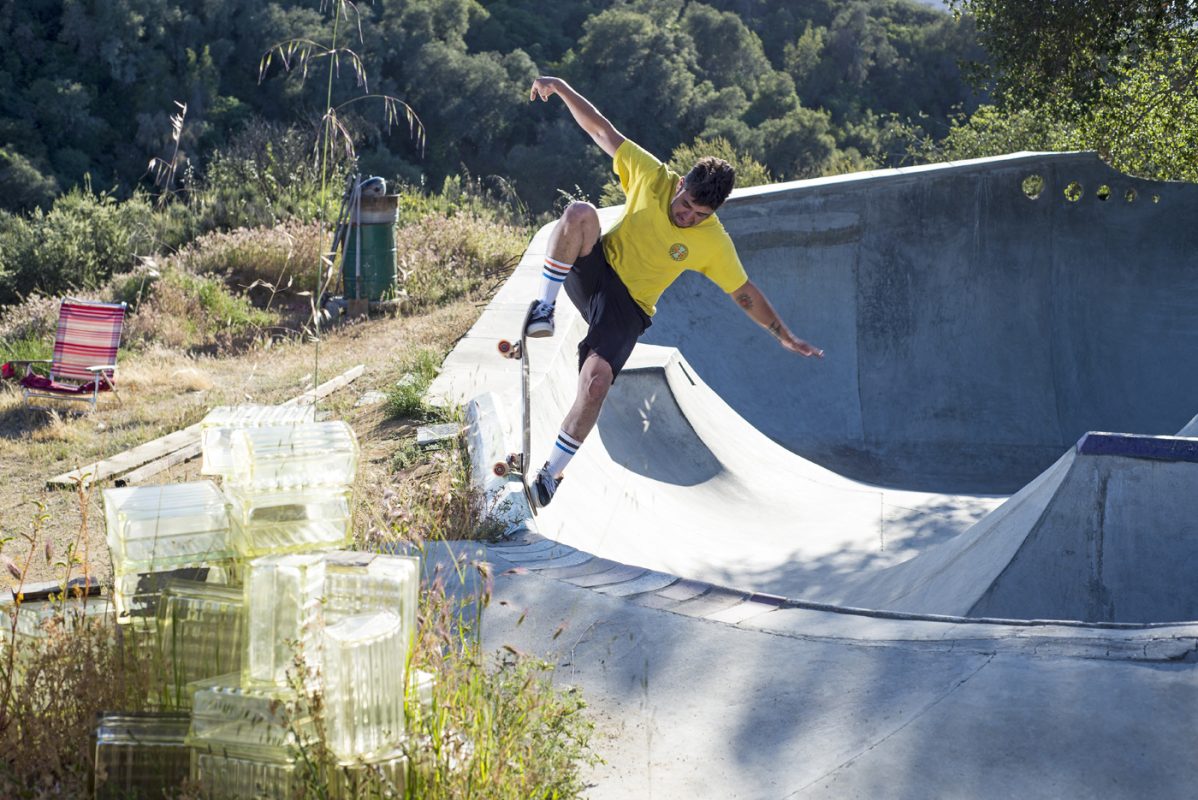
column 972, row 333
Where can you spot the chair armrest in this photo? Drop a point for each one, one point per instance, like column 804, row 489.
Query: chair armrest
column 105, row 366
column 31, row 361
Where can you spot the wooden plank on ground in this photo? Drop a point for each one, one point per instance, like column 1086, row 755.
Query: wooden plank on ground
column 129, row 459
column 328, row 387
column 155, row 467
column 177, row 447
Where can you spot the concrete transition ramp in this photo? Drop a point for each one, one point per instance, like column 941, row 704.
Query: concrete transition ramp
column 778, row 577
column 1106, row 534
column 979, row 318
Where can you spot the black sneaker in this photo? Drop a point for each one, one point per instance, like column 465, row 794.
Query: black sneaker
column 540, row 322
column 545, row 485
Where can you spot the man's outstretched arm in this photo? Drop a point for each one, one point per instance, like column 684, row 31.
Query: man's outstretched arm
column 585, row 114
column 754, row 303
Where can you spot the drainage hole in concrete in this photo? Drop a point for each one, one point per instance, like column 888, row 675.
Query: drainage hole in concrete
column 1033, row 185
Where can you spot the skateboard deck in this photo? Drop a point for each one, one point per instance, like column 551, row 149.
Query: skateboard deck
column 520, row 463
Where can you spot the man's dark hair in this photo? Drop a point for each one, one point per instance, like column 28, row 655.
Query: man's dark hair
column 710, row 181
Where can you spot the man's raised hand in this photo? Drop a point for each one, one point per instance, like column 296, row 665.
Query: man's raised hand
column 543, row 87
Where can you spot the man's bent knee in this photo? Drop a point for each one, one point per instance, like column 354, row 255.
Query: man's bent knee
column 580, row 212
column 597, row 377
column 582, row 216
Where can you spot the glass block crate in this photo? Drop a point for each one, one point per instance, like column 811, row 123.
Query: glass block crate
column 283, row 606
column 139, row 756
column 223, row 771
column 292, row 520
column 201, row 629
column 246, row 741
column 363, row 663
column 280, row 457
column 154, row 529
column 216, row 430
column 137, row 595
column 358, row 582
column 226, row 712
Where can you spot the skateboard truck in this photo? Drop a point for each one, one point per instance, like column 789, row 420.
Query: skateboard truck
column 513, row 463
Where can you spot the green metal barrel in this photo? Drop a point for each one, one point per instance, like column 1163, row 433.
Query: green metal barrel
column 368, row 258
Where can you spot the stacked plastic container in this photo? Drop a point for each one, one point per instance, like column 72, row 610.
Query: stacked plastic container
column 201, row 630
column 217, row 427
column 297, row 616
column 289, row 486
column 154, row 531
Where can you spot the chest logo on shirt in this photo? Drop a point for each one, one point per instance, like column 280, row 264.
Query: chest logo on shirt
column 678, row 251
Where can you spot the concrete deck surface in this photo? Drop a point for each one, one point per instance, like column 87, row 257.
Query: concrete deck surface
column 781, row 577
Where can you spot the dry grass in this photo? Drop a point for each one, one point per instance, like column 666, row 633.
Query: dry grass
column 162, row 391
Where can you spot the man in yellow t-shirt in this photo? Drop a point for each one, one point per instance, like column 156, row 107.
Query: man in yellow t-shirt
column 669, row 225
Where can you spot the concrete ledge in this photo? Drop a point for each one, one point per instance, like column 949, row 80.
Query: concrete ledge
column 1128, row 445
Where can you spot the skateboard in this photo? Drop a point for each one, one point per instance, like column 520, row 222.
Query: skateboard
column 519, row 463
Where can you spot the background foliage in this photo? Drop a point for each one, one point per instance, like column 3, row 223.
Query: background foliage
column 91, row 93
column 90, row 88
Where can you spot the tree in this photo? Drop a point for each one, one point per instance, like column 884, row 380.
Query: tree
column 1125, row 75
column 729, row 53
column 22, row 185
column 641, row 74
column 1044, row 50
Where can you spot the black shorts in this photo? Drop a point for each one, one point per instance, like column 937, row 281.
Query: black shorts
column 615, row 319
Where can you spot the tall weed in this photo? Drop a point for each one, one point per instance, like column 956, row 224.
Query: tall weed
column 445, row 257
column 285, row 256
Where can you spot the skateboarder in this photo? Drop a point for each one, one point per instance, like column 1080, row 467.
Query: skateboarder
column 669, row 225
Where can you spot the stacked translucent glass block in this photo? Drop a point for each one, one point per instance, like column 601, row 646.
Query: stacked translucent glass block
column 216, row 430
column 157, row 531
column 333, row 622
column 272, row 613
column 201, row 632
column 288, row 487
column 136, row 755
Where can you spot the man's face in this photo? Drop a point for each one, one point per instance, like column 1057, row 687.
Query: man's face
column 684, row 211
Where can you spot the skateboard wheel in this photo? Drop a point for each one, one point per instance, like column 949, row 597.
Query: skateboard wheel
column 500, row 469
column 505, row 347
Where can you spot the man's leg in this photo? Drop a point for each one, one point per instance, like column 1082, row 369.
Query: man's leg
column 594, row 380
column 573, row 236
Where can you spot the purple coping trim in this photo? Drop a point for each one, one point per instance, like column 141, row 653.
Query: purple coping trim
column 1131, row 445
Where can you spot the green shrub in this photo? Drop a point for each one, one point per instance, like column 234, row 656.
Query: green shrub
column 80, row 243
column 196, row 313
column 15, row 242
column 463, row 194
column 266, row 175
column 406, row 398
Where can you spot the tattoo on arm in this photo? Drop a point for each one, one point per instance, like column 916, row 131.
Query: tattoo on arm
column 775, row 328
column 745, row 301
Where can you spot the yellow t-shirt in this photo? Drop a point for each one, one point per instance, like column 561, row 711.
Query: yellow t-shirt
column 647, row 250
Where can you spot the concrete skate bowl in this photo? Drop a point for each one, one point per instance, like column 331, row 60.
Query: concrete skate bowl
column 979, row 318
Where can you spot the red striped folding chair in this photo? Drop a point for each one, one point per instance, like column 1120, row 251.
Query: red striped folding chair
column 84, row 360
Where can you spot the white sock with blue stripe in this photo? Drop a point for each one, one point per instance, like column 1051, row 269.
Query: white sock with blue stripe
column 564, row 449
column 553, row 275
